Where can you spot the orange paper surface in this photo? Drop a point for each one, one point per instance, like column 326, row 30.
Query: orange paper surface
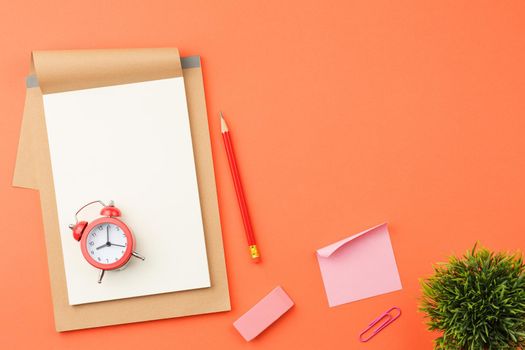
column 343, row 114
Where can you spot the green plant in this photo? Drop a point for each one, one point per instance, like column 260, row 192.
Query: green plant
column 477, row 301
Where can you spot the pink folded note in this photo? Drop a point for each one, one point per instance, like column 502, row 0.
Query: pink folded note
column 359, row 266
column 263, row 314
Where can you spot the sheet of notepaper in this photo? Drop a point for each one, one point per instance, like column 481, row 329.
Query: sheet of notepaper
column 131, row 144
column 359, row 266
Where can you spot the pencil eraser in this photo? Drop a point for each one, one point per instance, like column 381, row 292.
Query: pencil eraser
column 263, row 314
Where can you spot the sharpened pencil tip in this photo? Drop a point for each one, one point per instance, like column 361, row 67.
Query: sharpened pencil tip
column 224, row 126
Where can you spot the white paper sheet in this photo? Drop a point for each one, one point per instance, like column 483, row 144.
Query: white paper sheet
column 132, row 144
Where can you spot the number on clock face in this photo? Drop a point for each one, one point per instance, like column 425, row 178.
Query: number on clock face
column 106, row 243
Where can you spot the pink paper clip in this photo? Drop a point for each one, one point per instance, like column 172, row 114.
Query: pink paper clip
column 388, row 319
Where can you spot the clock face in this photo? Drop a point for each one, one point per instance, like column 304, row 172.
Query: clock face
column 106, row 243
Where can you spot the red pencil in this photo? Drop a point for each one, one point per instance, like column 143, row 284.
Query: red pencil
column 254, row 253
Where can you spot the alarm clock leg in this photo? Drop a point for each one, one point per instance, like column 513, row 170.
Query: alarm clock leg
column 138, row 256
column 101, row 275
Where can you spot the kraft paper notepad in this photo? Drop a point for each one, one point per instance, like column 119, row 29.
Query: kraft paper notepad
column 60, row 71
column 359, row 266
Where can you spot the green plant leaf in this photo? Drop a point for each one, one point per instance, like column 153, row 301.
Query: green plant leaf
column 477, row 301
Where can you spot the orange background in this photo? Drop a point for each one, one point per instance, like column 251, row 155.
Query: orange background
column 344, row 115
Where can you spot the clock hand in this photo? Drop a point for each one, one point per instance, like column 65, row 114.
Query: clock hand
column 118, row 245
column 107, row 230
column 102, row 246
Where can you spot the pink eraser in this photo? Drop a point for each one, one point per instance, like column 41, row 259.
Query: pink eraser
column 263, row 314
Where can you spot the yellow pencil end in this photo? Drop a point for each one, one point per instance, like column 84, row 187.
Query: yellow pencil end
column 254, row 253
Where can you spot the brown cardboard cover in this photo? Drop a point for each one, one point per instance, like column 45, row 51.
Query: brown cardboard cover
column 33, row 170
column 67, row 70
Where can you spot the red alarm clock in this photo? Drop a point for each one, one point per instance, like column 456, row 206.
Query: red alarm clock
column 106, row 243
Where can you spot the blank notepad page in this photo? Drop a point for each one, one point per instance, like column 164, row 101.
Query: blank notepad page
column 132, row 144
